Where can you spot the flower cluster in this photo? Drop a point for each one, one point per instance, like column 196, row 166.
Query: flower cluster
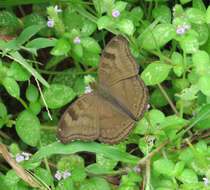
column 50, row 22
column 115, row 13
column 181, row 29
column 77, row 40
column 206, row 181
column 88, row 90
column 21, row 156
column 59, row 175
column 137, row 170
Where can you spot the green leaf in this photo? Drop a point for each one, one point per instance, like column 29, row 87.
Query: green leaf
column 35, row 107
column 32, row 93
column 90, row 59
column 98, row 170
column 157, row 37
column 156, row 116
column 199, row 4
column 12, row 178
column 202, row 118
column 27, row 33
column 208, row 15
column 94, row 183
column 201, row 147
column 91, row 45
column 34, row 18
column 185, row 1
column 58, row 95
column 186, row 155
column 189, row 43
column 62, row 47
column 179, row 168
column 203, row 85
column 66, row 184
column 40, row 43
column 188, row 176
column 126, row 187
column 18, row 72
column 28, row 128
column 158, row 95
column 11, row 86
column 126, row 26
column 44, row 175
column 189, row 93
column 164, row 166
column 77, row 50
column 78, row 146
column 162, row 11
column 3, row 184
column 88, row 28
column 201, row 62
column 71, row 19
column 177, row 60
column 138, row 12
column 3, row 110
column 174, row 121
column 180, row 84
column 195, row 15
column 68, row 163
column 78, row 174
column 105, row 163
column 120, row 5
column 79, row 85
column 202, row 31
column 7, row 19
column 18, row 57
column 104, row 22
column 155, row 73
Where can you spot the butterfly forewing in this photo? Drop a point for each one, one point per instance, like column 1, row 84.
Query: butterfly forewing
column 132, row 94
column 80, row 120
column 119, row 71
column 116, row 62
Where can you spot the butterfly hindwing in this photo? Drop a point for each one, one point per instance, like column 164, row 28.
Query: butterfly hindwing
column 115, row 126
column 79, row 121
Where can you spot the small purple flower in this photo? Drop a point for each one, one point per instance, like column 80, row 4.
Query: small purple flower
column 186, row 26
column 206, row 181
column 148, row 106
column 115, row 13
column 57, row 10
column 137, row 170
column 77, row 40
column 19, row 158
column 66, row 174
column 58, row 175
column 26, row 155
column 180, row 30
column 128, row 170
column 50, row 23
column 88, row 90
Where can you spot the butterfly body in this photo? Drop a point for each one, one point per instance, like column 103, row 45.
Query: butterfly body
column 110, row 111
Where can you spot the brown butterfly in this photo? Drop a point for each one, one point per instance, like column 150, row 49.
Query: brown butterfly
column 110, row 111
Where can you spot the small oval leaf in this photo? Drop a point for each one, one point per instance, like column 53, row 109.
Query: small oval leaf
column 28, row 128
column 155, row 73
column 58, row 95
column 12, row 87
